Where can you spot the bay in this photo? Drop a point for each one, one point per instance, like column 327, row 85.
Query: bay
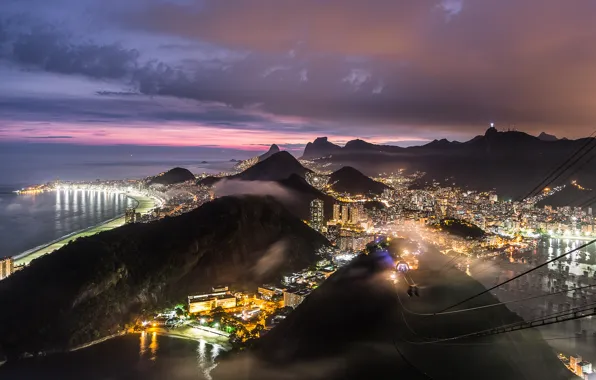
column 135, row 356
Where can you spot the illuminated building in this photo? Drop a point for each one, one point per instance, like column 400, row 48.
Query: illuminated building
column 6, row 267
column 294, row 297
column 354, row 215
column 345, row 214
column 336, row 212
column 205, row 302
column 268, row 292
column 130, row 215
column 316, row 214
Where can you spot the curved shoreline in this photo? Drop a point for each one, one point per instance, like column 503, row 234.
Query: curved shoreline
column 143, row 205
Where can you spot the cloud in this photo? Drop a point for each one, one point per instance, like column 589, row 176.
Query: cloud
column 440, row 68
column 235, row 187
column 50, row 137
column 271, row 259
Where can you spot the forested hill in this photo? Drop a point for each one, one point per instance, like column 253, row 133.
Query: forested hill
column 93, row 286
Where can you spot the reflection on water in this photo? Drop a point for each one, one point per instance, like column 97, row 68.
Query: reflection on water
column 146, row 356
column 143, row 344
column 37, row 219
column 153, row 346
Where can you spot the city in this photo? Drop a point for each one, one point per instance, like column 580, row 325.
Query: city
column 297, row 189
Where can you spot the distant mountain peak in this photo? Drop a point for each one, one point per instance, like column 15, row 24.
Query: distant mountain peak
column 547, row 137
column 277, row 166
column 321, row 147
column 272, row 150
column 491, row 131
column 172, row 176
column 352, row 181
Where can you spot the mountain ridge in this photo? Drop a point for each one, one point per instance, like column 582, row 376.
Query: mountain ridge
column 91, row 287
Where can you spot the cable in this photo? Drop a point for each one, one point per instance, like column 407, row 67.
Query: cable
column 499, row 303
column 519, row 275
column 409, row 362
column 558, row 168
column 491, row 331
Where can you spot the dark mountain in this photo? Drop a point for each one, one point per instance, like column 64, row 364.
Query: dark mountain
column 91, row 287
column 546, row 137
column 357, row 325
column 511, row 162
column 278, row 166
column 302, row 195
column 272, row 150
column 172, row 176
column 208, row 181
column 321, row 147
column 350, row 180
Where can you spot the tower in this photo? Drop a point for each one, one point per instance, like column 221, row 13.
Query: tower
column 316, row 214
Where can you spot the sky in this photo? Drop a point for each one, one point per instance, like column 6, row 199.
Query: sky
column 248, row 73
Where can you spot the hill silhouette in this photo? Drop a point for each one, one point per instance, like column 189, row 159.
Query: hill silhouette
column 321, row 147
column 356, row 325
column 272, row 150
column 91, row 287
column 278, row 166
column 172, row 176
column 350, row 180
column 512, row 162
column 303, row 193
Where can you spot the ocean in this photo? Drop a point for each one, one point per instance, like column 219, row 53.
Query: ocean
column 133, row 357
column 27, row 221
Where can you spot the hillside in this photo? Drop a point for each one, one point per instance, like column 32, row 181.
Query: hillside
column 278, row 166
column 91, row 287
column 350, row 180
column 461, row 228
column 172, row 176
column 355, row 327
column 303, row 194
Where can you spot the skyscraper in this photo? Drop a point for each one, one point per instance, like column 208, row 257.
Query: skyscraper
column 345, row 214
column 336, row 212
column 316, row 214
column 354, row 215
column 6, row 267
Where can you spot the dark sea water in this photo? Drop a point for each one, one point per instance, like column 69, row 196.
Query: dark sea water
column 27, row 221
column 137, row 356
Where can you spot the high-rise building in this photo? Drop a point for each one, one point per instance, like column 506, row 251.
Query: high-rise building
column 6, row 267
column 354, row 215
column 590, row 211
column 129, row 215
column 316, row 214
column 345, row 214
column 336, row 212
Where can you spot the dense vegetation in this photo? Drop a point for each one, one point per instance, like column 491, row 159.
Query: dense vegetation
column 93, row 286
column 461, row 228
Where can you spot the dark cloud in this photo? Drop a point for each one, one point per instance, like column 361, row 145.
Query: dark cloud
column 423, row 69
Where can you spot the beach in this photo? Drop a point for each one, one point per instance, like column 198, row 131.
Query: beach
column 143, row 205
